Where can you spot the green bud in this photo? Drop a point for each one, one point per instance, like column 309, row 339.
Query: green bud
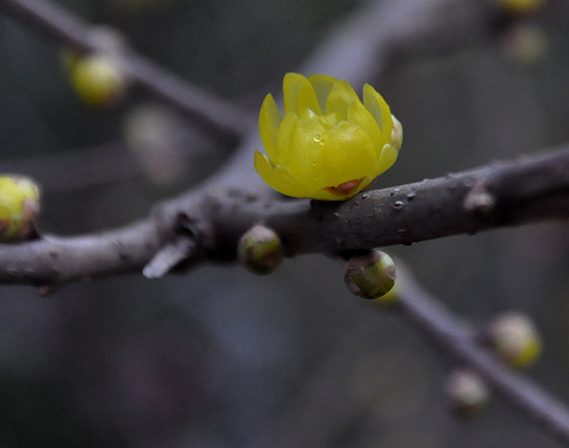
column 98, row 80
column 19, row 206
column 370, row 276
column 468, row 394
column 515, row 339
column 260, row 250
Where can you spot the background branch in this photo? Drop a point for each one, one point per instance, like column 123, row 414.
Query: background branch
column 456, row 338
column 219, row 118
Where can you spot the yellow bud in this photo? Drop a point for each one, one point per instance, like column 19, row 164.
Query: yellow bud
column 468, row 394
column 260, row 250
column 370, row 276
column 520, row 7
column 515, row 339
column 98, row 80
column 19, row 206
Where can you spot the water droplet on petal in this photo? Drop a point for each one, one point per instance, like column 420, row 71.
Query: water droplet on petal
column 319, row 138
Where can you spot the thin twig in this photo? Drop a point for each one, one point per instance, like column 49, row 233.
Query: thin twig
column 221, row 119
column 458, row 340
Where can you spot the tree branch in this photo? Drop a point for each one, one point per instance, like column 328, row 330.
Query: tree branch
column 217, row 117
column 527, row 190
column 500, row 195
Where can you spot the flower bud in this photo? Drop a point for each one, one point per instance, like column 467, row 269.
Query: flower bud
column 525, row 44
column 520, row 7
column 515, row 339
column 260, row 250
column 468, row 394
column 98, row 80
column 19, row 205
column 370, row 276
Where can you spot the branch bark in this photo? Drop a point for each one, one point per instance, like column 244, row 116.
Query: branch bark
column 502, row 195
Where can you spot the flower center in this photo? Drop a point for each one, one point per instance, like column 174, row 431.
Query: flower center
column 346, row 188
column 327, row 121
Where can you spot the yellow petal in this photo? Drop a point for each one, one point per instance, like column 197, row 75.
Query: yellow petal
column 305, row 153
column 349, row 155
column 299, row 95
column 340, row 97
column 284, row 137
column 377, row 106
column 388, row 157
column 270, row 119
column 278, row 178
column 323, row 195
column 359, row 115
column 322, row 84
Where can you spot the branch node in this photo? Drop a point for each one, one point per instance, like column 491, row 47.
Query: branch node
column 479, row 200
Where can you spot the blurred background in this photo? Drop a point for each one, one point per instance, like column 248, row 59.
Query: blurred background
column 222, row 358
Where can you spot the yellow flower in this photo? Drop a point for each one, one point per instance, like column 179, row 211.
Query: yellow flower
column 329, row 145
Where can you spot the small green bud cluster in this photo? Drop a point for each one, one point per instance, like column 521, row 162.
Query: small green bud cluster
column 370, row 276
column 260, row 250
column 19, row 206
column 468, row 394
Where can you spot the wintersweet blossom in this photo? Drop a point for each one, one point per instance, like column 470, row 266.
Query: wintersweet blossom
column 329, row 145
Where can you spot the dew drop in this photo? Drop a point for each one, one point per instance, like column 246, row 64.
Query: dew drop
column 319, row 138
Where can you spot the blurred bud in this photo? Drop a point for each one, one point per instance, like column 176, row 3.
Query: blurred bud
column 98, row 80
column 157, row 137
column 468, row 394
column 525, row 44
column 19, row 206
column 260, row 250
column 515, row 339
column 520, row 7
column 396, row 134
column 370, row 276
